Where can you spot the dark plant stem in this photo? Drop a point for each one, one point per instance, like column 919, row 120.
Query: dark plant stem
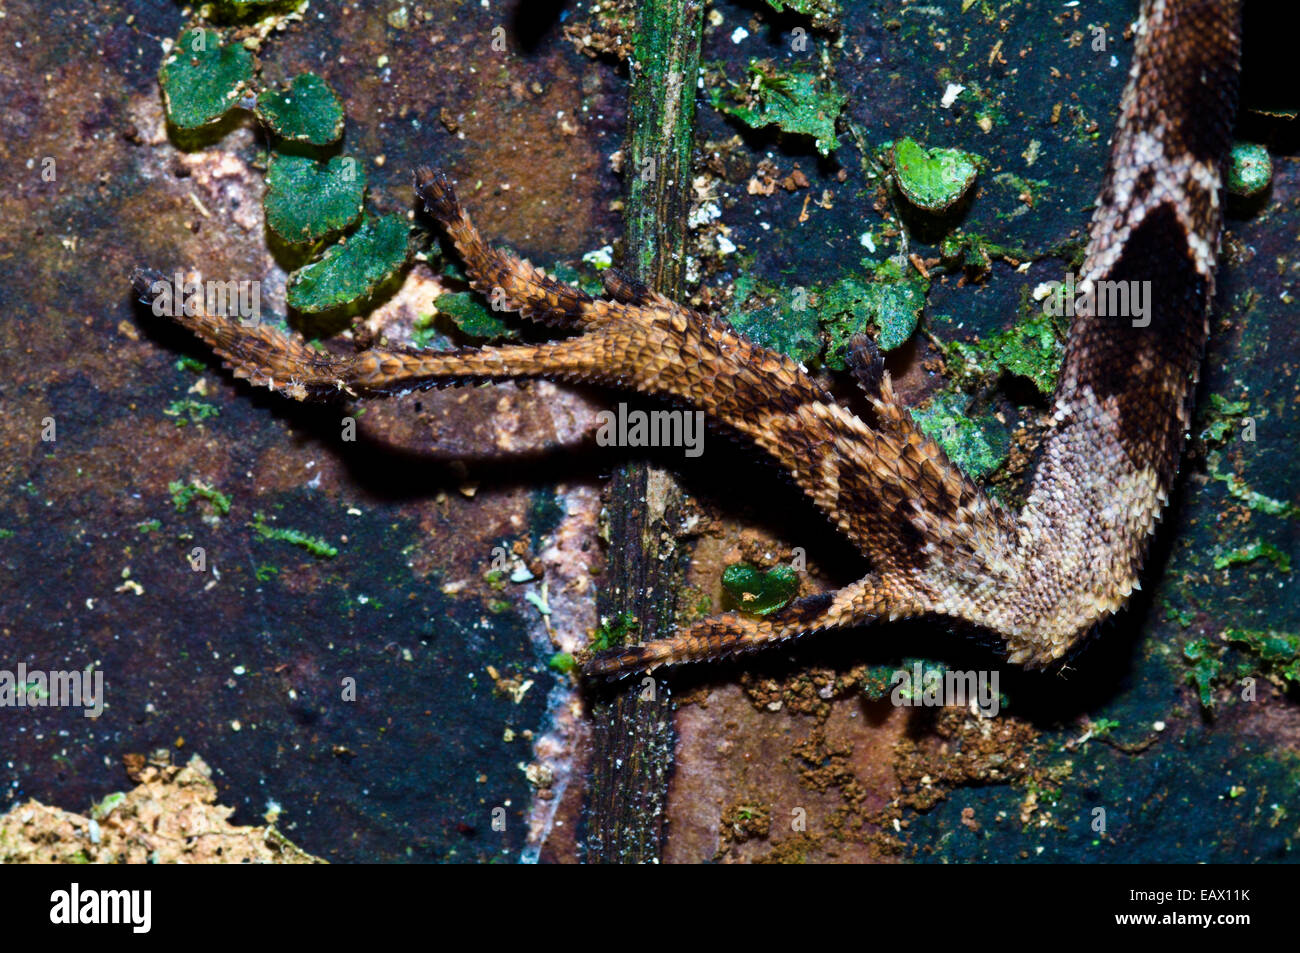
column 633, row 737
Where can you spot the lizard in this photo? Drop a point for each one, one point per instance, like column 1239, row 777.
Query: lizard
column 1041, row 578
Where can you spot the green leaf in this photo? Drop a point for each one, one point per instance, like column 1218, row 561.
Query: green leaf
column 761, row 593
column 308, row 111
column 932, row 179
column 307, row 200
column 352, row 269
column 796, row 101
column 202, row 79
column 472, row 316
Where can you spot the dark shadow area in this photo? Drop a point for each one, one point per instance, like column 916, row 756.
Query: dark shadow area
column 533, row 21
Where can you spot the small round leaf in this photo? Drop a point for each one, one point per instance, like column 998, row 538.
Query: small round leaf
column 202, row 79
column 307, row 200
column 354, row 268
column 308, row 111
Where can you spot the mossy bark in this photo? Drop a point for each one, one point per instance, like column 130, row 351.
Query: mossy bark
column 632, row 722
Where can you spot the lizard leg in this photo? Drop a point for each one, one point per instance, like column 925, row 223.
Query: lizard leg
column 514, row 284
column 510, row 282
column 270, row 358
column 734, row 633
column 866, row 478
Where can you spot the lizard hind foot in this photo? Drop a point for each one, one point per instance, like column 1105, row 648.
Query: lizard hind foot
column 867, row 365
column 510, row 282
column 731, row 634
column 437, row 193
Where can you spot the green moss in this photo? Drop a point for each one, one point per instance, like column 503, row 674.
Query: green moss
column 308, row 111
column 106, row 806
column 425, row 334
column 1027, row 190
column 611, row 633
column 693, row 603
column 1239, row 490
column 354, row 268
column 785, row 322
column 987, row 103
column 1032, row 348
column 308, row 200
column 190, row 364
column 1249, row 169
column 1266, row 651
column 1221, row 418
column 976, row 252
column 1206, row 661
column 1251, row 552
column 825, row 14
column 978, row 445
column 932, row 179
column 877, row 684
column 562, row 662
column 802, row 323
column 1101, row 727
column 196, row 411
column 584, row 278
column 245, row 7
column 203, row 79
column 1279, row 651
column 185, row 493
column 757, row 592
column 148, row 526
column 314, row 545
column 892, row 302
column 795, row 100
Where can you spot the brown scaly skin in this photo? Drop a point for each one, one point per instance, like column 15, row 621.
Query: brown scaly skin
column 1041, row 578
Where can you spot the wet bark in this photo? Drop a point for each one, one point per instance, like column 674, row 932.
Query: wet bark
column 633, row 736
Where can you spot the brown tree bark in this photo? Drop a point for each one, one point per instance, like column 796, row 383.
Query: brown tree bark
column 633, row 736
